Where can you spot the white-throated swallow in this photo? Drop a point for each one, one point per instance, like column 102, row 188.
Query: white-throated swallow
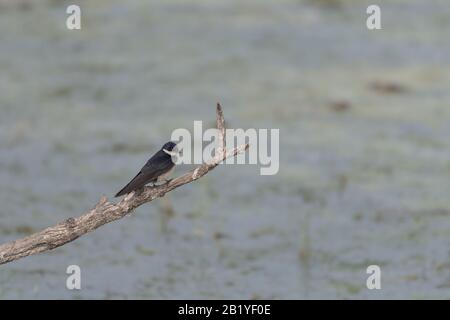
column 156, row 169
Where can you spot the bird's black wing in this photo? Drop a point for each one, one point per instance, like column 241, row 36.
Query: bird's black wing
column 159, row 164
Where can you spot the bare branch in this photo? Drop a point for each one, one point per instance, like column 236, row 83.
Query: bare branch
column 220, row 123
column 105, row 211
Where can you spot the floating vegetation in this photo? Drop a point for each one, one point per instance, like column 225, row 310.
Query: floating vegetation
column 387, row 87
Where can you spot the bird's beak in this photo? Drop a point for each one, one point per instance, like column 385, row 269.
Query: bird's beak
column 170, row 153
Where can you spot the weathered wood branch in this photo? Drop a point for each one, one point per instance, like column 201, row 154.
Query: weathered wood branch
column 105, row 211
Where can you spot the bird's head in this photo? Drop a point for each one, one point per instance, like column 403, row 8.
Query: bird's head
column 168, row 147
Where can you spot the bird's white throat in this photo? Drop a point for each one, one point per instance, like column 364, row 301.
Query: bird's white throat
column 170, row 153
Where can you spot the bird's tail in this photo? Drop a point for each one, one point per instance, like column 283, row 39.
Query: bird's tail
column 123, row 191
column 131, row 186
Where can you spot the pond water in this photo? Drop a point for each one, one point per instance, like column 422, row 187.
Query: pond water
column 364, row 147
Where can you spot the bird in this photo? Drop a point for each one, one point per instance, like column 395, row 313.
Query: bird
column 157, row 168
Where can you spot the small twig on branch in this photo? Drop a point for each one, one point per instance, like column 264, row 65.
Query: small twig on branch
column 105, row 211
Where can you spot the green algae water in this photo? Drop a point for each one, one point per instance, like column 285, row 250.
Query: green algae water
column 364, row 147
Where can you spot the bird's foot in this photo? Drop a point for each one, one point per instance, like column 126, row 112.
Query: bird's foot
column 154, row 184
column 138, row 192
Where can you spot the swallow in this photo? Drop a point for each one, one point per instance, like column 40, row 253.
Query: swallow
column 157, row 168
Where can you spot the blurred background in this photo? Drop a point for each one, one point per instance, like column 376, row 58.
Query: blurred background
column 364, row 146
